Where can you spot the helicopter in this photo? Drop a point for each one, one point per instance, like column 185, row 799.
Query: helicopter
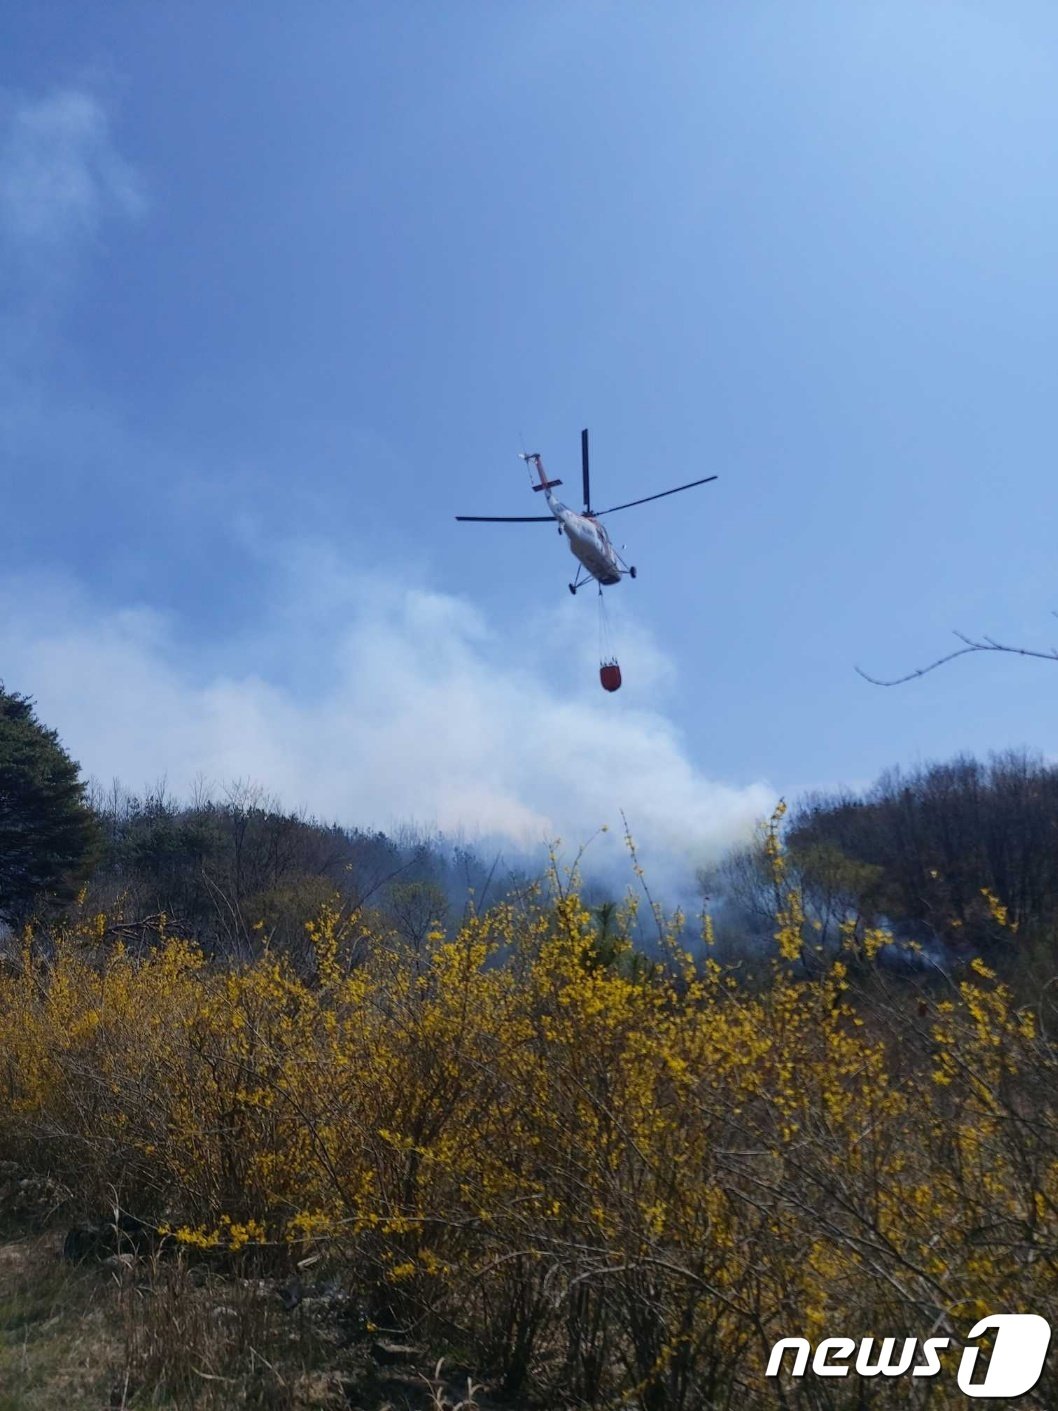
column 597, row 558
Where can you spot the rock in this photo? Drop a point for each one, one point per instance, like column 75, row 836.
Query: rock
column 393, row 1354
column 26, row 1196
column 122, row 1263
column 323, row 1391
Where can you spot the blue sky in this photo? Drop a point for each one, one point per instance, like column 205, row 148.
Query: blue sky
column 285, row 287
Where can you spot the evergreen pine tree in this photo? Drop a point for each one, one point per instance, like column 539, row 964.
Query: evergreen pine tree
column 47, row 830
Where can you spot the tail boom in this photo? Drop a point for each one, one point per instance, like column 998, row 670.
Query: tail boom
column 533, row 458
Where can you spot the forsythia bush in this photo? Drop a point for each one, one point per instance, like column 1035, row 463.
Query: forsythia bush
column 610, row 1183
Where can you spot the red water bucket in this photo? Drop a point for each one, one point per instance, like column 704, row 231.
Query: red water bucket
column 610, row 676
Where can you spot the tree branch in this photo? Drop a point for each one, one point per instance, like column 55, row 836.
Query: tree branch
column 986, row 644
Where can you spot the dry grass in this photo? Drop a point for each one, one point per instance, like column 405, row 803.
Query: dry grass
column 128, row 1334
column 58, row 1347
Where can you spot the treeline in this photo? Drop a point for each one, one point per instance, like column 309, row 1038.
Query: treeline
column 239, row 875
column 956, row 860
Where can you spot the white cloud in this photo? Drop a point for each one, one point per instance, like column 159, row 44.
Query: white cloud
column 405, row 708
column 60, row 174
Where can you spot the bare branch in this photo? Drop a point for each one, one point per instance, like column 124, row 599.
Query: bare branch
column 986, row 644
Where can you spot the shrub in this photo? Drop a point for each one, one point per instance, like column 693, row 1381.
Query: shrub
column 602, row 1184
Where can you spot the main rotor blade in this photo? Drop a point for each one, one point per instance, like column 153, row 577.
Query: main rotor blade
column 506, row 518
column 584, row 469
column 646, row 498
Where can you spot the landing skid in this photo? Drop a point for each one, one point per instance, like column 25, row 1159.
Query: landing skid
column 580, row 579
column 583, row 578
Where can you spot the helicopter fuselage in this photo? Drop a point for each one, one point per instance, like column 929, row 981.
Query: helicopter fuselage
column 588, row 541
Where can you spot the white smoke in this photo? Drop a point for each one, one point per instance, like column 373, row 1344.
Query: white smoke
column 401, row 706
